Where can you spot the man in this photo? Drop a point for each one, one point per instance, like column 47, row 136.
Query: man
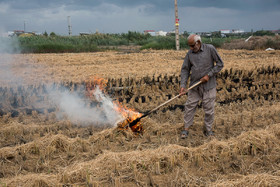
column 199, row 66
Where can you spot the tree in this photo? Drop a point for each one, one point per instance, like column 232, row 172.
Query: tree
column 45, row 34
column 217, row 34
column 186, row 34
column 263, row 33
column 52, row 34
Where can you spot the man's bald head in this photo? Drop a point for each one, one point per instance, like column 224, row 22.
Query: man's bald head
column 194, row 38
column 194, row 41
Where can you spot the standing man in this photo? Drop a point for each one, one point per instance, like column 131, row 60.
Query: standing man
column 199, row 66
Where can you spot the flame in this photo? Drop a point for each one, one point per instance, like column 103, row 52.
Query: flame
column 93, row 82
column 129, row 115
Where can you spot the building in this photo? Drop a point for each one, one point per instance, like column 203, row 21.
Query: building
column 22, row 33
column 204, row 34
column 151, row 32
column 276, row 31
column 225, row 31
column 232, row 31
column 237, row 31
column 161, row 33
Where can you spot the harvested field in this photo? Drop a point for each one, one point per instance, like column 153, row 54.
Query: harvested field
column 77, row 67
column 42, row 145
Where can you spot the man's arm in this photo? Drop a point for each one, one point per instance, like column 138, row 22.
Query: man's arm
column 185, row 72
column 219, row 62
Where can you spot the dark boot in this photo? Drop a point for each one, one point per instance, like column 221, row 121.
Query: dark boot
column 184, row 134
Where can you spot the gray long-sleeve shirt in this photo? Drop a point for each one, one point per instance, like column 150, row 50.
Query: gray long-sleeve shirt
column 197, row 65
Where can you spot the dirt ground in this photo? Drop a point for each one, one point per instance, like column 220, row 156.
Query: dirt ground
column 39, row 149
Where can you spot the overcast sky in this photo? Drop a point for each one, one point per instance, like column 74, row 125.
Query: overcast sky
column 121, row 16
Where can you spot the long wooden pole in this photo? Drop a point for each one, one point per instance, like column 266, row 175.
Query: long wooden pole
column 173, row 98
column 177, row 27
column 134, row 122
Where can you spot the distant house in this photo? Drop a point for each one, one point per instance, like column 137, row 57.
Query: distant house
column 151, row 32
column 161, row 33
column 11, row 33
column 276, row 31
column 21, row 33
column 237, row 31
column 231, row 31
column 38, row 33
column 225, row 31
column 204, row 33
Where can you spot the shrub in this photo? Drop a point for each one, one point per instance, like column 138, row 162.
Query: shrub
column 160, row 42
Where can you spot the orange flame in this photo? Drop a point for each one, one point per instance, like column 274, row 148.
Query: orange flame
column 129, row 115
column 92, row 83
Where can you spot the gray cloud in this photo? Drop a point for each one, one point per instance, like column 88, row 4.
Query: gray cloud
column 114, row 16
column 160, row 5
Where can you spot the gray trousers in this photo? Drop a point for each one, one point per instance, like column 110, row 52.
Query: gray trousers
column 208, row 103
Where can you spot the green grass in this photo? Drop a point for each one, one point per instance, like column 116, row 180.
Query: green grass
column 159, row 42
column 217, row 42
column 57, row 44
column 97, row 42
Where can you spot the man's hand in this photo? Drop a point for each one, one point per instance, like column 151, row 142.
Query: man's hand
column 204, row 79
column 183, row 91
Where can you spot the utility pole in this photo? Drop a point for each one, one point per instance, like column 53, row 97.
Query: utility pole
column 176, row 27
column 69, row 26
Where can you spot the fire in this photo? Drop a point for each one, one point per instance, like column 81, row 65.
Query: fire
column 92, row 83
column 128, row 115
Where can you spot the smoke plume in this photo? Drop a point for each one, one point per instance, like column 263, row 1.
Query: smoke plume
column 77, row 109
column 70, row 105
column 8, row 47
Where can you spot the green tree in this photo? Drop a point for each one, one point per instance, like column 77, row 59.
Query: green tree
column 263, row 33
column 52, row 34
column 217, row 34
column 186, row 34
column 45, row 34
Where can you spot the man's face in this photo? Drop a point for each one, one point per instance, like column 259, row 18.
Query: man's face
column 194, row 46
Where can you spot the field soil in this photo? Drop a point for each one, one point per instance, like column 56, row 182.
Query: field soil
column 38, row 147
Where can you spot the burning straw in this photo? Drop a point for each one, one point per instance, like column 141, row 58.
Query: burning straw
column 95, row 87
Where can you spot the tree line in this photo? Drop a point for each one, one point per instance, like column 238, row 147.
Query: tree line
column 53, row 43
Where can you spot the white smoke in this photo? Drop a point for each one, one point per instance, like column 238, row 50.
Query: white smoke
column 71, row 105
column 108, row 106
column 8, row 46
column 76, row 108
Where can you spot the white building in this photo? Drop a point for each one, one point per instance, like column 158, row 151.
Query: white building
column 225, row 31
column 237, row 31
column 161, row 33
column 151, row 32
column 232, row 31
column 154, row 33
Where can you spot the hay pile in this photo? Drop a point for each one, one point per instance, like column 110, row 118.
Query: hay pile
column 247, row 157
